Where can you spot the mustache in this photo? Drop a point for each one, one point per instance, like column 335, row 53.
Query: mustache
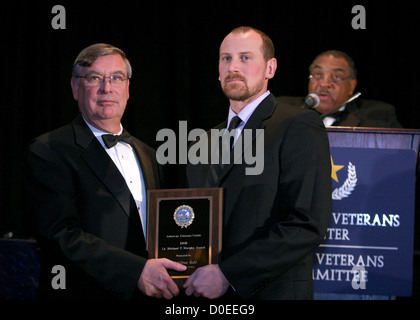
column 234, row 77
column 324, row 91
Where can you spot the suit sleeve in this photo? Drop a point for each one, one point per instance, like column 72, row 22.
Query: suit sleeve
column 53, row 191
column 300, row 212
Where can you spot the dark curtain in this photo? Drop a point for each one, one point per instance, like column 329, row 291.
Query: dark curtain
column 173, row 47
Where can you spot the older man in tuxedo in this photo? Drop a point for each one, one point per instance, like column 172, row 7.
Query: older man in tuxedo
column 87, row 183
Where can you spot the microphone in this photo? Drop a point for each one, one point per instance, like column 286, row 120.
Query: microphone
column 311, row 101
column 353, row 97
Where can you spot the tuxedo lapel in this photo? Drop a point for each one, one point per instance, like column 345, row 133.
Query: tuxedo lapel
column 101, row 164
column 256, row 121
column 145, row 165
column 348, row 118
column 213, row 149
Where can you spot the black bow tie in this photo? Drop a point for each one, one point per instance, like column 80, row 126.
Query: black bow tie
column 111, row 140
column 335, row 115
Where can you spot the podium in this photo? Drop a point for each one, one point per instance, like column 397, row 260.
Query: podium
column 381, row 138
column 369, row 245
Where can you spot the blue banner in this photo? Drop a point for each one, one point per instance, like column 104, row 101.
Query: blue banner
column 368, row 248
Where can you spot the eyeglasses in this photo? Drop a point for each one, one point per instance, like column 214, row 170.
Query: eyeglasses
column 333, row 78
column 95, row 80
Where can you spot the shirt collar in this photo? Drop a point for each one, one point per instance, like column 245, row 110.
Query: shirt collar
column 248, row 110
column 98, row 133
column 330, row 120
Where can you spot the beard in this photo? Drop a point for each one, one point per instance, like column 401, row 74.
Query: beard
column 240, row 91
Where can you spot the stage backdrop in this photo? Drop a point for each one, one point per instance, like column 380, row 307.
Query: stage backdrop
column 368, row 248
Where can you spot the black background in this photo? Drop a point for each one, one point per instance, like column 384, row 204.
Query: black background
column 173, row 48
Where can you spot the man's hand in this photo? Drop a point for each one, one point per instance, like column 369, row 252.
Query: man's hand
column 207, row 281
column 155, row 280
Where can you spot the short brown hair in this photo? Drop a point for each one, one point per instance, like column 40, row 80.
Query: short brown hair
column 267, row 46
column 88, row 56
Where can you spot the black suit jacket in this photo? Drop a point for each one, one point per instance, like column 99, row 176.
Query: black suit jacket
column 85, row 215
column 359, row 113
column 275, row 220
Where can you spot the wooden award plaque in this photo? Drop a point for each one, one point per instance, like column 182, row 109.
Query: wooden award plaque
column 185, row 225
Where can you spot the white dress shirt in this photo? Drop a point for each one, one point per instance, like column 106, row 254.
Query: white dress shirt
column 245, row 113
column 329, row 121
column 124, row 157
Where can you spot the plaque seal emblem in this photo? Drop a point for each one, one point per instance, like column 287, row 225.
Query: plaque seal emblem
column 184, row 216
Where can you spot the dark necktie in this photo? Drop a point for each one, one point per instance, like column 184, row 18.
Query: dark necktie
column 234, row 124
column 111, row 140
column 217, row 169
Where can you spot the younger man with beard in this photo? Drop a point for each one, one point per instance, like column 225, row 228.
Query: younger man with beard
column 272, row 222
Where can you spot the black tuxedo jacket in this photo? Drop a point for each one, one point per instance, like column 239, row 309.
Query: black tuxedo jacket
column 85, row 215
column 359, row 113
column 275, row 220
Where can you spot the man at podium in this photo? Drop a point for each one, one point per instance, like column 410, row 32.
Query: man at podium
column 333, row 78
